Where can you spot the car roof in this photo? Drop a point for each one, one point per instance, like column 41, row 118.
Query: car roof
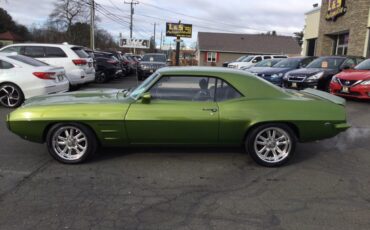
column 154, row 54
column 45, row 44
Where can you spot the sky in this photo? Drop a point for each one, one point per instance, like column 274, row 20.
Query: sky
column 233, row 16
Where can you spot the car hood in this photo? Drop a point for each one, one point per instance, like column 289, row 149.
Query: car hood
column 354, row 75
column 81, row 97
column 311, row 71
column 271, row 71
column 152, row 63
column 257, row 69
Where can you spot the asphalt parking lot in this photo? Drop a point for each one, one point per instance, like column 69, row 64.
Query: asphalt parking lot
column 326, row 186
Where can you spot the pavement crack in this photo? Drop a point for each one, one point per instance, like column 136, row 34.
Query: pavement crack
column 25, row 179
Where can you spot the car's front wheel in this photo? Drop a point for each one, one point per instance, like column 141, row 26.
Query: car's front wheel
column 71, row 143
column 271, row 145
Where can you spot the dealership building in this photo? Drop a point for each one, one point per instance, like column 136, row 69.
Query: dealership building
column 216, row 48
column 338, row 27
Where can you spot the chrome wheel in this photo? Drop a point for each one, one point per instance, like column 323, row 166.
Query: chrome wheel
column 10, row 96
column 272, row 145
column 69, row 143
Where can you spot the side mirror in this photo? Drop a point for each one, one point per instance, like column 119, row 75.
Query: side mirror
column 146, row 98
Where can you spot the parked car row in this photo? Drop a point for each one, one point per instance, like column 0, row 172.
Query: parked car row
column 346, row 76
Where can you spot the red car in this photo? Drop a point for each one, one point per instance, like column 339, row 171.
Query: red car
column 353, row 83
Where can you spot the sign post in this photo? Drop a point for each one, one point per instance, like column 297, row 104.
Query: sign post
column 178, row 30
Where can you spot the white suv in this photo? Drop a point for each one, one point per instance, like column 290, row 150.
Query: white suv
column 250, row 61
column 77, row 63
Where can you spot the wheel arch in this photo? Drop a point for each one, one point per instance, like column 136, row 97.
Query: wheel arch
column 289, row 124
column 51, row 124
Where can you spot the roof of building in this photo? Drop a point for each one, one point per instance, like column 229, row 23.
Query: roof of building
column 247, row 43
column 10, row 36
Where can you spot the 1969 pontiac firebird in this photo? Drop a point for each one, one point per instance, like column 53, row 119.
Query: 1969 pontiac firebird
column 183, row 106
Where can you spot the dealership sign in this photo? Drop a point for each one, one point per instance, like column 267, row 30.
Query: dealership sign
column 134, row 43
column 179, row 30
column 336, row 8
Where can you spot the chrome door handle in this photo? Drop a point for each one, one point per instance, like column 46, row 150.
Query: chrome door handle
column 213, row 110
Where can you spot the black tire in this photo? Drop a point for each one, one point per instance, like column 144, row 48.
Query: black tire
column 11, row 96
column 57, row 130
column 252, row 144
column 101, row 77
column 74, row 87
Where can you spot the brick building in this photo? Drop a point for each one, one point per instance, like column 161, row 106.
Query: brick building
column 217, row 48
column 339, row 27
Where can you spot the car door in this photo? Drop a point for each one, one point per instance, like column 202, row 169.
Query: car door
column 55, row 56
column 182, row 110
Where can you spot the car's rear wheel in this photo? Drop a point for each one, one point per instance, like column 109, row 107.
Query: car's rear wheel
column 101, row 77
column 271, row 145
column 71, row 143
column 11, row 96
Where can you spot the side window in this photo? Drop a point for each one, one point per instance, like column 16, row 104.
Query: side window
column 257, row 59
column 5, row 65
column 12, row 49
column 34, row 51
column 359, row 60
column 266, row 57
column 54, row 52
column 225, row 92
column 184, row 88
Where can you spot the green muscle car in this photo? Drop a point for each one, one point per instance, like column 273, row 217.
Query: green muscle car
column 182, row 106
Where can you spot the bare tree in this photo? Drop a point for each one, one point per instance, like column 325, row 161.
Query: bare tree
column 68, row 12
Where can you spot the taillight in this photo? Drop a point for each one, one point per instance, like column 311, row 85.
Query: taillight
column 45, row 75
column 112, row 61
column 79, row 62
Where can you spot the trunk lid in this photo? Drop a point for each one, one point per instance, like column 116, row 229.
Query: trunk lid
column 323, row 95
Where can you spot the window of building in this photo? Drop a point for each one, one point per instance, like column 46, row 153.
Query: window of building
column 341, row 44
column 211, row 56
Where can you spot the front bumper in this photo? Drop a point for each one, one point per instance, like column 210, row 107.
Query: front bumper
column 357, row 91
column 146, row 72
column 300, row 85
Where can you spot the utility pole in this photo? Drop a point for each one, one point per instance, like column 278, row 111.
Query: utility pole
column 92, row 25
column 155, row 47
column 132, row 4
column 160, row 45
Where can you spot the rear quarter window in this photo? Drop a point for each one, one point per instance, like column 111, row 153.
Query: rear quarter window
column 80, row 52
column 5, row 65
column 12, row 49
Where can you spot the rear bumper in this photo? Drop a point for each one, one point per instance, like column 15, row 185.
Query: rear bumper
column 79, row 76
column 48, row 87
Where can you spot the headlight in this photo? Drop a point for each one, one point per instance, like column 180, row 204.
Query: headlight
column 143, row 66
column 335, row 80
column 315, row 77
column 365, row 82
column 277, row 75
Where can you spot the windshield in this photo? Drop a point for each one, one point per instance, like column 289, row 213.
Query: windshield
column 326, row 63
column 288, row 63
column 154, row 58
column 241, row 58
column 248, row 59
column 143, row 86
column 28, row 60
column 267, row 63
column 365, row 65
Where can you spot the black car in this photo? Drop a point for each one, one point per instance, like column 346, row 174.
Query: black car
column 149, row 64
column 275, row 73
column 108, row 67
column 319, row 73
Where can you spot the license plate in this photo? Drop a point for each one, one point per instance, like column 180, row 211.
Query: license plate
column 345, row 89
column 294, row 85
column 151, row 71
